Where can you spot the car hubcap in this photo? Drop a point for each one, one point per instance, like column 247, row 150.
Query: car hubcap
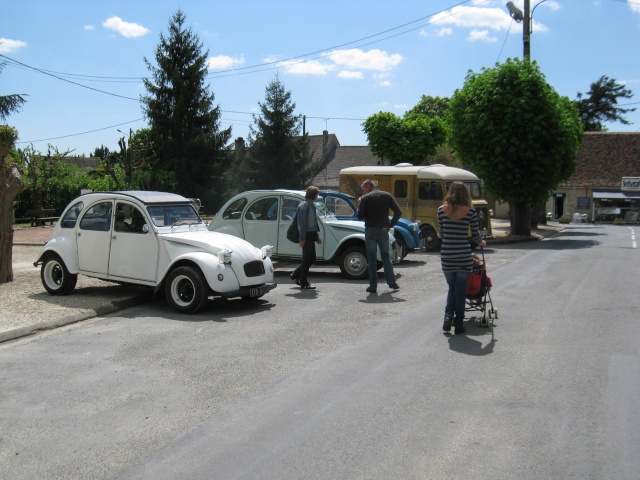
column 182, row 290
column 355, row 264
column 54, row 274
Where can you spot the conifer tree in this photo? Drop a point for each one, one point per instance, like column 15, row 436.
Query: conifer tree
column 184, row 123
column 278, row 155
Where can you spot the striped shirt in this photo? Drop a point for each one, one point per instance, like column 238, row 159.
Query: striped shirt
column 455, row 253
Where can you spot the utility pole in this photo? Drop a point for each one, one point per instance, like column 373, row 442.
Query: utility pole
column 526, row 30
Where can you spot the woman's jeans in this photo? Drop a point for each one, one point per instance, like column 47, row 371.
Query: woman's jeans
column 374, row 238
column 456, row 296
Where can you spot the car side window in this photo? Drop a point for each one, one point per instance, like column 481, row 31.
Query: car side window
column 263, row 209
column 97, row 218
column 71, row 217
column 128, row 219
column 234, row 211
column 289, row 207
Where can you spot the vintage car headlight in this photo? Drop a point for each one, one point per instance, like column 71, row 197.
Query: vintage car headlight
column 224, row 257
column 267, row 250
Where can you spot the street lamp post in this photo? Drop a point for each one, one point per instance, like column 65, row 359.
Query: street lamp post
column 526, row 19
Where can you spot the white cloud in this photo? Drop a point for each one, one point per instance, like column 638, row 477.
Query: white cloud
column 357, row 59
column 89, row 27
column 481, row 36
column 474, row 17
column 635, row 7
column 445, row 31
column 7, row 45
column 223, row 61
column 312, row 67
column 385, row 83
column 126, row 29
column 350, row 74
column 349, row 63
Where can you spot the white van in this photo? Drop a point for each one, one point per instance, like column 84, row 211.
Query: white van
column 419, row 190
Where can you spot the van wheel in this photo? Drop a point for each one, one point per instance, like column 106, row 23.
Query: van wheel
column 186, row 289
column 353, row 263
column 55, row 277
column 431, row 241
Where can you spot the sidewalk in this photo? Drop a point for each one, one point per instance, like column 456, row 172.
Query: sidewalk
column 26, row 308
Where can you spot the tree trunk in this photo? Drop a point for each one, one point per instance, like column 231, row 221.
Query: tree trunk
column 520, row 224
column 538, row 215
column 11, row 184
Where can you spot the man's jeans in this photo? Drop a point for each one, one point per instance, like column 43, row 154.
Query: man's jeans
column 456, row 297
column 374, row 238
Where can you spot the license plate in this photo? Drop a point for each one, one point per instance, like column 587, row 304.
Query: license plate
column 256, row 292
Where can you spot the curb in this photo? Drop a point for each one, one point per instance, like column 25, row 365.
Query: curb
column 87, row 314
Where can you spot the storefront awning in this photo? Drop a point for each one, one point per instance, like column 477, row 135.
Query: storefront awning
column 616, row 195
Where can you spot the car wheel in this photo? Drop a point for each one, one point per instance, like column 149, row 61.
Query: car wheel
column 186, row 289
column 353, row 263
column 55, row 277
column 402, row 246
column 431, row 240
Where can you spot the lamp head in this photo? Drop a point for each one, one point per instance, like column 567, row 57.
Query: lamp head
column 515, row 12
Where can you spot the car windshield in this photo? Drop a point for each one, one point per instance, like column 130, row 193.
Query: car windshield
column 171, row 215
column 322, row 209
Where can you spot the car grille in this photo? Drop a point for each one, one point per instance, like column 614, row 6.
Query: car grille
column 254, row 269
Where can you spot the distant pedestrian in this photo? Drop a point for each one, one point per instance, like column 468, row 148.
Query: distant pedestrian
column 374, row 210
column 455, row 217
column 308, row 229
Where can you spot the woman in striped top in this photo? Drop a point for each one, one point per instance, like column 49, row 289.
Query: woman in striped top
column 454, row 219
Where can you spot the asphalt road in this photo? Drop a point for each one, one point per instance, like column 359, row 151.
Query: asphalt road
column 338, row 384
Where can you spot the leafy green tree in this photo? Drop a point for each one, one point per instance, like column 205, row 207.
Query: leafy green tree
column 519, row 135
column 40, row 170
column 433, row 107
column 184, row 124
column 131, row 167
column 409, row 139
column 278, row 156
column 600, row 104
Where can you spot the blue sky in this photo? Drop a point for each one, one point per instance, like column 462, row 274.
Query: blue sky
column 80, row 62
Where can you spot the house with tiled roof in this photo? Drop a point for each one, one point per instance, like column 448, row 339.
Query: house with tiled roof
column 606, row 183
column 328, row 178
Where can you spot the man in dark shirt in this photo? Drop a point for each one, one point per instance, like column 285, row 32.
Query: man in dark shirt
column 374, row 210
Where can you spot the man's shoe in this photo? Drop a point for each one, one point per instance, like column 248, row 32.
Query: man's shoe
column 307, row 286
column 459, row 330
column 371, row 290
column 294, row 279
column 446, row 326
column 394, row 286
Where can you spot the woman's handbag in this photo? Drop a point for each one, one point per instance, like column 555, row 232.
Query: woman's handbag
column 293, row 234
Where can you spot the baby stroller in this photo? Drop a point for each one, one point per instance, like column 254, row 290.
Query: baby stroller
column 478, row 292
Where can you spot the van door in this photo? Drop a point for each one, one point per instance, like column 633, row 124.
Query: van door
column 402, row 189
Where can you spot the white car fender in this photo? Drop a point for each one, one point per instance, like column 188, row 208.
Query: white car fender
column 220, row 277
column 65, row 248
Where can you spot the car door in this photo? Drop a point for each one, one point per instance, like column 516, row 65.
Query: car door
column 134, row 245
column 288, row 207
column 93, row 237
column 260, row 221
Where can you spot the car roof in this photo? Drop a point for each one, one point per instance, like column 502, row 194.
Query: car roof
column 146, row 197
column 435, row 171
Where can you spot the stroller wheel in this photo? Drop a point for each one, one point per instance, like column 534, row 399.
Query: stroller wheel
column 495, row 313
